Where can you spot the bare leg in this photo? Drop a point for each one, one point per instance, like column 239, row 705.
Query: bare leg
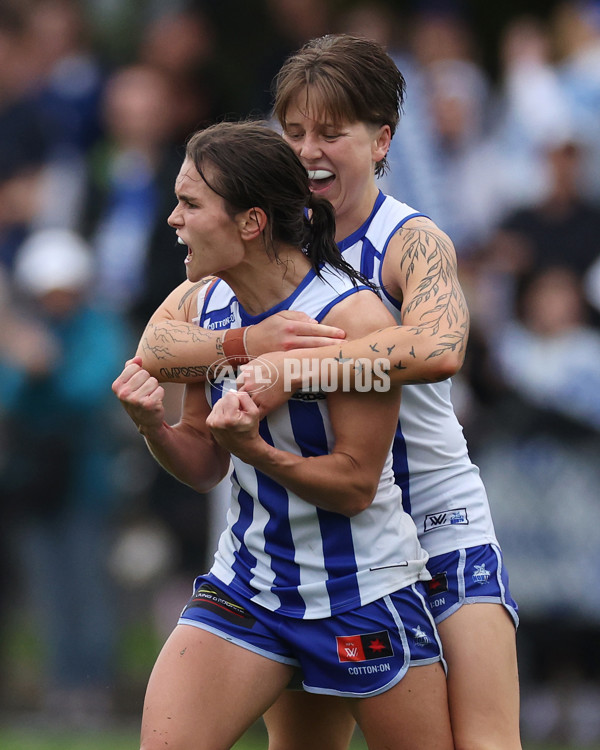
column 483, row 684
column 300, row 720
column 205, row 692
column 413, row 715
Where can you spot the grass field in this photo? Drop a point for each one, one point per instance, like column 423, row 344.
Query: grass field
column 127, row 739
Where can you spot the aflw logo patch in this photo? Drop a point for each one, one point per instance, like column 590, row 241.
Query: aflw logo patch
column 364, row 647
column 445, row 518
column 438, row 584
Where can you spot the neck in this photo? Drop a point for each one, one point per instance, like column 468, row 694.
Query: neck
column 348, row 221
column 261, row 282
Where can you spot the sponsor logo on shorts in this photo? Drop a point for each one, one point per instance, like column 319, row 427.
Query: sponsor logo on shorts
column 370, row 668
column 214, row 600
column 438, row 584
column 481, row 574
column 451, row 517
column 364, row 647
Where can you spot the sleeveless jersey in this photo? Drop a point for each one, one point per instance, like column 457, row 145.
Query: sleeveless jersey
column 278, row 550
column 441, row 487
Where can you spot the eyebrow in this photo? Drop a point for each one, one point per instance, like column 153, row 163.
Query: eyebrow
column 322, row 125
column 183, row 196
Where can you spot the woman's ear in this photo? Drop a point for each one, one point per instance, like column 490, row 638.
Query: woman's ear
column 252, row 223
column 381, row 143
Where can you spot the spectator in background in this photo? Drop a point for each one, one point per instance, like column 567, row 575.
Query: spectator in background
column 67, row 90
column 130, row 192
column 576, row 33
column 531, row 111
column 539, row 457
column 440, row 159
column 56, row 479
column 23, row 137
column 183, row 44
column 550, row 354
column 563, row 228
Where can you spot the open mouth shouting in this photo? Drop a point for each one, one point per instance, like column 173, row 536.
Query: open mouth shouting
column 189, row 255
column 320, row 179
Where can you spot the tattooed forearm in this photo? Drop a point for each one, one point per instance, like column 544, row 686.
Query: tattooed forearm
column 158, row 337
column 177, row 373
column 438, row 297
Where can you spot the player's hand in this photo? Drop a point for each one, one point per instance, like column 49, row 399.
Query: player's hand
column 233, row 423
column 289, row 329
column 141, row 396
column 267, row 381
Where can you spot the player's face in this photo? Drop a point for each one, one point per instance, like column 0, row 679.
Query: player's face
column 340, row 160
column 202, row 223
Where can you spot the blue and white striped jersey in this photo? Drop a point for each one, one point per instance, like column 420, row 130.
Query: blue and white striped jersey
column 279, row 550
column 441, row 487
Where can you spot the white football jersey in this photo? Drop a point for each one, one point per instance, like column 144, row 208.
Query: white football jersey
column 441, row 487
column 279, row 550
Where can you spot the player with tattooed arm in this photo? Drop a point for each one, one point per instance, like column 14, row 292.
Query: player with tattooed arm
column 338, row 101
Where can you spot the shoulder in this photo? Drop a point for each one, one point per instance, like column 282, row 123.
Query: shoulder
column 420, row 226
column 419, row 240
column 359, row 314
column 182, row 302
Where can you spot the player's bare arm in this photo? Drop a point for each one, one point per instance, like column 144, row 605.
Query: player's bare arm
column 420, row 272
column 186, row 450
column 175, row 349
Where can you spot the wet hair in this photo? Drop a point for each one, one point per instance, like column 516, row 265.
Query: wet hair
column 250, row 165
column 343, row 78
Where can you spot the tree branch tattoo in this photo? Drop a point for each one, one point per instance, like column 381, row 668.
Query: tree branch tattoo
column 428, row 264
column 438, row 292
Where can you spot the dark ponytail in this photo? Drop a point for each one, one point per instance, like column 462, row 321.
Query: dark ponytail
column 319, row 242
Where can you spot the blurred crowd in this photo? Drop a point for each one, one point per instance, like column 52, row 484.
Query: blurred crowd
column 501, row 150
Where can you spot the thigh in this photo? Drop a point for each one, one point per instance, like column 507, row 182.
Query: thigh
column 413, row 715
column 299, row 720
column 205, row 691
column 479, row 643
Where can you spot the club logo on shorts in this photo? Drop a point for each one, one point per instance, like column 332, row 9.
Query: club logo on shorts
column 420, row 636
column 364, row 647
column 481, row 574
column 450, row 517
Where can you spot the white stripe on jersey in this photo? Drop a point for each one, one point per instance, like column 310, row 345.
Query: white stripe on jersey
column 281, row 551
column 431, row 460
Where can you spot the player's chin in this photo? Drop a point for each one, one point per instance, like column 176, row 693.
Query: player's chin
column 193, row 275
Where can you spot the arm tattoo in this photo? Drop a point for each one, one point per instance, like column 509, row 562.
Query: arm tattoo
column 170, row 332
column 193, row 289
column 439, row 285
